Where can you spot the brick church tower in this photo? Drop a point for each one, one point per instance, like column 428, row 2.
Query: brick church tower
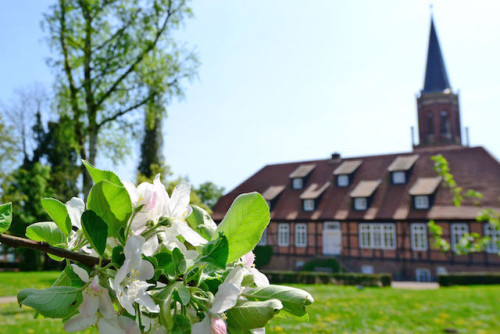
column 437, row 105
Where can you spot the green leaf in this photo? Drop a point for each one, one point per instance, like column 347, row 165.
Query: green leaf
column 59, row 214
column 215, row 252
column 95, row 230
column 56, row 302
column 112, row 204
column 5, row 216
column 99, row 175
column 179, row 261
column 294, row 300
column 244, row 224
column 182, row 294
column 182, row 324
column 250, row 314
column 68, row 278
column 117, row 256
column 200, row 221
column 46, row 231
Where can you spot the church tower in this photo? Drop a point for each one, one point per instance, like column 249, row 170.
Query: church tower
column 437, row 105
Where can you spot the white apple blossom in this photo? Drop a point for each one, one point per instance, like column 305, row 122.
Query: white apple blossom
column 96, row 302
column 118, row 325
column 130, row 281
column 75, row 207
column 259, row 278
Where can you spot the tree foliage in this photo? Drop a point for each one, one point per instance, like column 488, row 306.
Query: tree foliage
column 113, row 58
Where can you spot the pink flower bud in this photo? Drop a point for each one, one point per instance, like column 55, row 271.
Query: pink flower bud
column 218, row 326
column 248, row 259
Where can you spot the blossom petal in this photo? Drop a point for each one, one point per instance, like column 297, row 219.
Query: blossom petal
column 105, row 304
column 90, row 303
column 132, row 192
column 202, row 327
column 259, row 278
column 80, row 272
column 189, row 234
column 75, row 207
column 150, row 246
column 79, row 323
column 146, row 271
column 225, row 298
column 133, row 250
column 146, row 301
column 118, row 325
column 179, row 201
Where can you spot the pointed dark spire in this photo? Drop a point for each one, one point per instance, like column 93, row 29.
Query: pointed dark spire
column 436, row 78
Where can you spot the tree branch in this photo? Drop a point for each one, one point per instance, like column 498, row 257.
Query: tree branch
column 139, row 58
column 87, row 260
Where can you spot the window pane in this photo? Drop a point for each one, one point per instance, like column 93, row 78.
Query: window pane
column 419, row 236
column 342, row 180
column 360, row 203
column 301, row 235
column 263, row 238
column 297, row 183
column 421, row 202
column 308, row 205
column 398, row 177
column 283, row 234
column 494, row 235
column 457, row 232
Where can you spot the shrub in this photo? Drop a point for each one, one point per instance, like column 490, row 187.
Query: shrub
column 469, row 279
column 332, row 265
column 303, row 277
column 263, row 255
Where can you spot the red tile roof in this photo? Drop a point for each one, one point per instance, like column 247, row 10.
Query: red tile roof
column 473, row 168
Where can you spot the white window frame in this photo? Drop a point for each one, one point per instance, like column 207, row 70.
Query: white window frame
column 494, row 235
column 419, row 240
column 423, row 275
column 377, row 235
column 343, row 180
column 367, row 269
column 360, row 203
column 421, row 202
column 263, row 239
column 283, row 234
column 297, row 183
column 308, row 205
column 398, row 177
column 457, row 231
column 301, row 235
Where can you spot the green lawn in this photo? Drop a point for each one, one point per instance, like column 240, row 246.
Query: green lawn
column 336, row 310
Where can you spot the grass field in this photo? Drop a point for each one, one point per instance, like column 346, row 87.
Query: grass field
column 336, row 310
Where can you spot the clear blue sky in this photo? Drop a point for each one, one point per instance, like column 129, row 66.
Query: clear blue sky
column 293, row 80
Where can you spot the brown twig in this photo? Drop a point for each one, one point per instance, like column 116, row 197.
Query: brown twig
column 87, row 260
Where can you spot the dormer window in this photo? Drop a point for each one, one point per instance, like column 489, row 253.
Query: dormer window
column 343, row 180
column 363, row 194
column 360, row 203
column 300, row 175
column 421, row 202
column 400, row 168
column 423, row 191
column 398, row 177
column 312, row 195
column 309, row 205
column 271, row 195
column 344, row 173
column 297, row 183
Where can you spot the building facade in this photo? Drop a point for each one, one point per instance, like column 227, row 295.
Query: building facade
column 371, row 212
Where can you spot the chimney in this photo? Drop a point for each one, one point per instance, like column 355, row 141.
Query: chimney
column 335, row 156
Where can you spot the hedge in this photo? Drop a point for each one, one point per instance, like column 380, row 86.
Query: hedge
column 469, row 279
column 302, row 277
column 263, row 255
column 331, row 265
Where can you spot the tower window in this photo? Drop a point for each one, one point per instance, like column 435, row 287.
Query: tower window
column 430, row 123
column 298, row 183
column 445, row 125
